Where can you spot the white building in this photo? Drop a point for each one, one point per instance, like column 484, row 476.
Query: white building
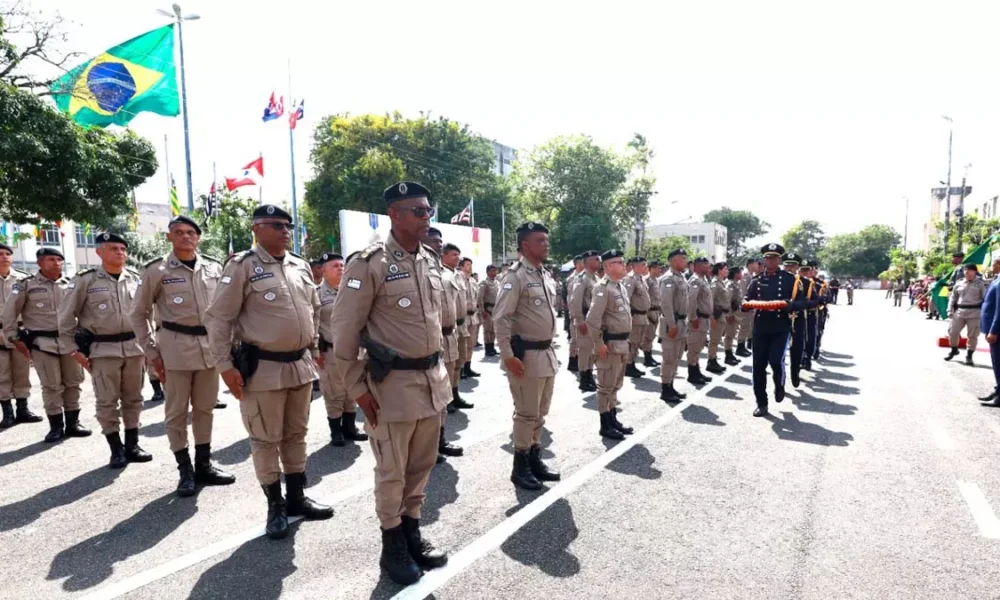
column 937, row 210
column 710, row 238
column 505, row 159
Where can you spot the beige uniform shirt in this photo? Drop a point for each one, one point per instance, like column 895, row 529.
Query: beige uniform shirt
column 6, row 287
column 471, row 292
column 449, row 313
column 397, row 297
column 171, row 291
column 638, row 292
column 610, row 312
column 99, row 303
column 462, row 283
column 720, row 297
column 653, row 289
column 700, row 297
column 487, row 295
column 327, row 297
column 581, row 296
column 735, row 296
column 271, row 304
column 674, row 291
column 524, row 308
column 968, row 293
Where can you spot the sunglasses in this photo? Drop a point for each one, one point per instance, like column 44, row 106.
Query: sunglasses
column 419, row 211
column 279, row 226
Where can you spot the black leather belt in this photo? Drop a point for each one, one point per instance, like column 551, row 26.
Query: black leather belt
column 702, row 315
column 324, row 345
column 636, row 311
column 285, row 357
column 49, row 333
column 654, row 308
column 539, row 345
column 723, row 310
column 469, row 313
column 448, row 330
column 186, row 329
column 679, row 317
column 616, row 337
column 488, row 304
column 115, row 337
column 970, row 305
column 460, row 322
column 416, row 364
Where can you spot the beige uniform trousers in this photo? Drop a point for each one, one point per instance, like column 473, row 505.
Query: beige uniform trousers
column 746, row 325
column 732, row 328
column 972, row 331
column 532, row 399
column 610, row 376
column 652, row 324
column 197, row 390
column 574, row 346
column 61, row 377
column 585, row 349
column 15, row 370
column 404, row 453
column 696, row 340
column 489, row 334
column 673, row 349
column 715, row 336
column 639, row 327
column 471, row 341
column 118, row 382
column 334, row 392
column 277, row 421
column 464, row 351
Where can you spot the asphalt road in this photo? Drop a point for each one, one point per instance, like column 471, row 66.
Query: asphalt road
column 876, row 479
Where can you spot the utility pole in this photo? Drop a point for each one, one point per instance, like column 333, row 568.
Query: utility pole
column 961, row 208
column 179, row 19
column 947, row 185
column 906, row 223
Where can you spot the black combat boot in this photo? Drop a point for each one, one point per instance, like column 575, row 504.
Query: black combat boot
column 538, row 468
column 23, row 414
column 731, row 359
column 157, row 392
column 704, row 378
column 795, row 379
column 349, row 425
column 56, row 431
column 669, row 394
column 741, row 350
column 118, row 460
column 952, row 353
column 695, row 376
column 205, row 472
column 760, row 411
column 301, row 506
column 648, row 360
column 73, row 426
column 396, row 559
column 618, row 425
column 713, row 366
column 468, row 370
column 277, row 516
column 608, row 428
column 632, row 371
column 457, row 400
column 491, row 350
column 573, row 365
column 423, row 552
column 807, row 363
column 336, row 432
column 750, row 345
column 968, row 359
column 446, row 448
column 219, row 404
column 186, row 486
column 521, row 475
column 587, row 383
column 8, row 414
column 134, row 452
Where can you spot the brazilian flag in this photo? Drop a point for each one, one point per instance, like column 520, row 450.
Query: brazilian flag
column 133, row 77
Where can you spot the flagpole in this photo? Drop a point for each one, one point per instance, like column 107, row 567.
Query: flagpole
column 291, row 153
column 472, row 210
column 503, row 234
column 260, row 188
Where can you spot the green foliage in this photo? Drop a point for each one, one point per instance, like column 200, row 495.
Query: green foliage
column 52, row 169
column 902, row 265
column 861, row 254
column 975, row 231
column 658, row 249
column 742, row 225
column 633, row 203
column 806, row 238
column 143, row 248
column 943, row 270
column 233, row 217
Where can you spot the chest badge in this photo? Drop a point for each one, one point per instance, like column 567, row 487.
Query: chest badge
column 394, row 268
column 258, row 269
column 39, row 304
column 178, row 300
column 270, row 296
column 102, row 306
column 538, row 301
column 404, row 303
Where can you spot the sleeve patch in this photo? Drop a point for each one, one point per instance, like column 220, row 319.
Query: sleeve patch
column 71, row 285
column 508, row 286
column 227, row 280
column 354, row 284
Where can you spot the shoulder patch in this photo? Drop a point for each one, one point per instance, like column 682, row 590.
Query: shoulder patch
column 211, row 258
column 515, row 266
column 240, row 257
column 370, row 251
column 152, row 262
column 85, row 271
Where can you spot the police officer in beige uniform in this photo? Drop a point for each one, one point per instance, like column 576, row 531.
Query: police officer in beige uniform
column 485, row 303
column 391, row 303
column 700, row 301
column 964, row 308
column 720, row 312
column 267, row 302
column 746, row 317
column 453, row 305
column 471, row 316
column 652, row 280
column 178, row 288
column 609, row 325
column 579, row 305
column 94, row 323
column 673, row 324
column 638, row 299
column 732, row 319
column 574, row 345
column 14, row 367
column 525, row 327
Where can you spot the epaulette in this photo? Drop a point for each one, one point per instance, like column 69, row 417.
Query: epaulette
column 132, row 271
column 85, row 271
column 211, row 258
column 297, row 256
column 152, row 262
column 370, row 251
column 515, row 266
column 240, row 257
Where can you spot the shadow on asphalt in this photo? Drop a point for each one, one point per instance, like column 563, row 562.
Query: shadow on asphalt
column 722, row 393
column 820, row 386
column 457, row 421
column 233, row 454
column 645, row 384
column 92, row 561
column 9, row 458
column 835, row 364
column 158, row 429
column 808, row 402
column 637, row 461
column 442, row 490
column 257, row 569
column 329, row 460
column 19, row 514
column 738, row 380
column 590, row 401
column 833, row 375
column 468, row 385
column 701, row 415
column 792, row 429
column 825, row 353
column 544, row 542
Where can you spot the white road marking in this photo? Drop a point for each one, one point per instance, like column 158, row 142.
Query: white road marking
column 499, row 534
column 982, row 512
column 941, row 438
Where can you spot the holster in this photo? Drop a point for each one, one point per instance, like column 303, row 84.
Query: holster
column 380, row 358
column 245, row 360
column 26, row 336
column 517, row 347
column 83, row 339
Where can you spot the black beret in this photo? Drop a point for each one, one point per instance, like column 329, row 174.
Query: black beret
column 719, row 265
column 7, row 248
column 791, row 258
column 577, row 257
column 972, row 267
column 47, row 251
column 434, row 231
column 107, row 236
column 751, row 261
column 654, row 263
column 327, row 257
column 773, row 250
column 532, row 227
column 611, row 254
column 957, row 254
column 185, row 220
column 701, row 260
column 589, row 254
column 405, row 190
column 677, row 252
column 639, row 259
column 488, row 267
column 270, row 210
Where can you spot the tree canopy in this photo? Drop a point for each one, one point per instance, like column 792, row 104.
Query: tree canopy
column 865, row 253
column 806, row 238
column 659, row 248
column 742, row 225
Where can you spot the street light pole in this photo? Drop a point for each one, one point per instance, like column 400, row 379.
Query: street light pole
column 179, row 18
column 906, row 223
column 947, row 184
column 961, row 208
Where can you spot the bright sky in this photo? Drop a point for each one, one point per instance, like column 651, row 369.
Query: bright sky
column 793, row 110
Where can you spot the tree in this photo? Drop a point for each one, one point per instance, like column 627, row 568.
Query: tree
column 40, row 38
column 902, row 265
column 861, row 254
column 356, row 158
column 742, row 225
column 572, row 184
column 632, row 206
column 806, row 238
column 144, row 248
column 233, row 219
column 660, row 248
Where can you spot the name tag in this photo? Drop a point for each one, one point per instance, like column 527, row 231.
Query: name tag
column 37, row 289
column 398, row 276
column 96, row 289
column 536, row 284
column 260, row 276
column 177, row 280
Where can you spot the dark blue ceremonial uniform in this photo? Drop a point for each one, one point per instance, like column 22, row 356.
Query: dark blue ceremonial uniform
column 823, row 297
column 771, row 329
column 800, row 328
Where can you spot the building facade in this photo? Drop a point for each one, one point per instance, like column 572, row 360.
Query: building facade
column 505, row 159
column 709, row 238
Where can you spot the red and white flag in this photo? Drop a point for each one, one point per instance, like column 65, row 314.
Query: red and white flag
column 250, row 176
column 464, row 217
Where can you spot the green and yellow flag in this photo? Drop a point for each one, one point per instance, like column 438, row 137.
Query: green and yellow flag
column 133, row 77
column 175, row 204
column 982, row 257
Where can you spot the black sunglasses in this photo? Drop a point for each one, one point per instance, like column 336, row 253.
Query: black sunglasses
column 419, row 212
column 279, row 226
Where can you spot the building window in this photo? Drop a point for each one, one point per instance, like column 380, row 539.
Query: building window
column 50, row 235
column 84, row 240
column 701, row 239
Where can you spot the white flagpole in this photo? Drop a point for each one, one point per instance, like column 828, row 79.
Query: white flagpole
column 472, row 210
column 215, row 183
column 291, row 153
column 503, row 234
